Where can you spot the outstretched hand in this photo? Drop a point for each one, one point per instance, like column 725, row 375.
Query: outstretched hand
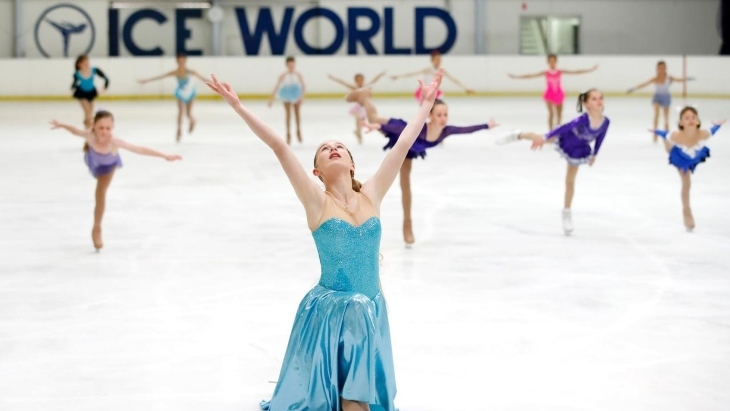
column 430, row 91
column 719, row 122
column 369, row 126
column 537, row 144
column 224, row 90
column 492, row 123
column 173, row 157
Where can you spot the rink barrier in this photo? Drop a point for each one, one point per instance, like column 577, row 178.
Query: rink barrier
column 254, row 78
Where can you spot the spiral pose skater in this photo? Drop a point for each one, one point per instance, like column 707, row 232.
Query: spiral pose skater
column 84, row 88
column 428, row 73
column 339, row 355
column 554, row 94
column 686, row 149
column 184, row 93
column 430, row 135
column 572, row 140
column 662, row 97
column 357, row 110
column 102, row 158
column 290, row 90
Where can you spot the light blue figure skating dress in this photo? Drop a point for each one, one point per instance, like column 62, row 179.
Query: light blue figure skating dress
column 340, row 343
column 185, row 90
column 290, row 90
column 687, row 158
column 662, row 95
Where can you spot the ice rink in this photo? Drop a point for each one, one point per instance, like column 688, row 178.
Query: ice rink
column 190, row 303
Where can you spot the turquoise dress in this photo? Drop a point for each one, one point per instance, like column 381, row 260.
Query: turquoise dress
column 340, row 343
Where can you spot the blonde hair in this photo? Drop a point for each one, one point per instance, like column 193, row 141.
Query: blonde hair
column 356, row 185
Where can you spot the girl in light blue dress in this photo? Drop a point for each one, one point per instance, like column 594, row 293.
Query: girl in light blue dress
column 662, row 97
column 290, row 90
column 686, row 149
column 184, row 92
column 339, row 355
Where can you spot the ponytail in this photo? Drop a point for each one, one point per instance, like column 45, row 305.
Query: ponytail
column 582, row 98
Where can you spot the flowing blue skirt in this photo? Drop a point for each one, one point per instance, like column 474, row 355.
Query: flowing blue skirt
column 339, row 348
column 290, row 93
column 683, row 161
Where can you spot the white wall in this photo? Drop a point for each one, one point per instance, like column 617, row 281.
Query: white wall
column 251, row 77
column 615, row 26
column 608, row 26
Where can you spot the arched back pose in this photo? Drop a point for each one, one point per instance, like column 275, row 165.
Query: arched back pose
column 339, row 354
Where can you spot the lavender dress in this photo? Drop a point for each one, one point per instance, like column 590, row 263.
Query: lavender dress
column 100, row 164
column 574, row 138
column 395, row 126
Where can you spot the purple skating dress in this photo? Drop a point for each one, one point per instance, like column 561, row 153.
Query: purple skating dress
column 395, row 126
column 574, row 139
column 100, row 164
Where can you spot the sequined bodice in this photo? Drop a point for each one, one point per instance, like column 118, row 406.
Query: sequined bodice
column 349, row 255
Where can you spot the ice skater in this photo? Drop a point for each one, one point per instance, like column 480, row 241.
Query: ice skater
column 430, row 135
column 554, row 94
column 184, row 93
column 339, row 355
column 428, row 73
column 290, row 90
column 572, row 140
column 662, row 97
column 357, row 110
column 686, row 149
column 84, row 88
column 102, row 158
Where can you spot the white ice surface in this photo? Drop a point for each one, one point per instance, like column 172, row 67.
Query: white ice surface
column 190, row 303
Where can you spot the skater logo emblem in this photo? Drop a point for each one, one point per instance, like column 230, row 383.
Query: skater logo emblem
column 64, row 30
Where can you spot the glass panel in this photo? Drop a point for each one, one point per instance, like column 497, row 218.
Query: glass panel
column 540, row 35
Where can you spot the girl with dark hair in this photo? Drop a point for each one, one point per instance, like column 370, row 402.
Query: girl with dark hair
column 572, row 140
column 433, row 133
column 686, row 149
column 102, row 158
column 84, row 89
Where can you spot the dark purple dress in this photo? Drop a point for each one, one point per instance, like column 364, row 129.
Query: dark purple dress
column 574, row 139
column 395, row 126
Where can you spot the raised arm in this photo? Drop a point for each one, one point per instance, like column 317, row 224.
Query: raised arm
column 715, row 126
column 415, row 73
column 160, row 77
column 375, row 79
column 198, row 76
column 451, row 130
column 71, row 129
column 342, row 82
column 102, row 75
column 145, row 151
column 594, row 68
column 642, row 85
column 457, row 82
column 377, row 186
column 310, row 195
column 525, row 76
